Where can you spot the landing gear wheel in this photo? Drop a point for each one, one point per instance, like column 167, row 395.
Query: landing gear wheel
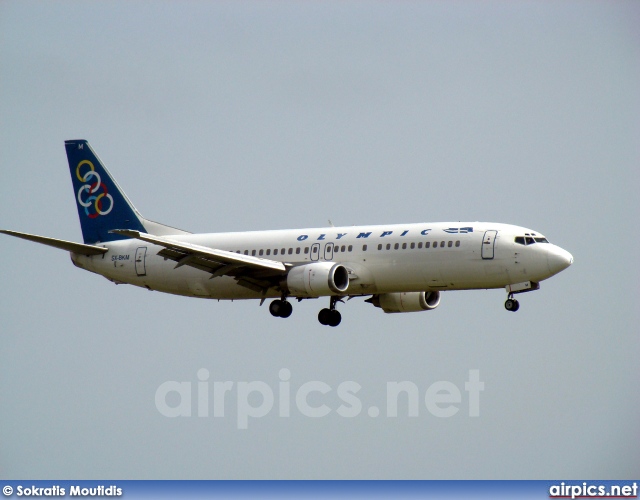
column 286, row 309
column 324, row 316
column 280, row 308
column 512, row 305
column 276, row 307
column 330, row 316
column 335, row 318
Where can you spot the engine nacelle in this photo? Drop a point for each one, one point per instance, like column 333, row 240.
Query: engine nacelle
column 317, row 279
column 406, row 301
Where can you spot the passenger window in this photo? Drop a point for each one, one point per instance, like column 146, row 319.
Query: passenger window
column 379, row 246
column 404, row 246
column 450, row 244
column 420, row 244
column 282, row 252
column 442, row 244
column 261, row 251
column 275, row 252
column 458, row 243
column 336, row 249
column 343, row 248
column 396, row 246
column 253, row 252
column 388, row 246
column 298, row 251
column 350, row 248
column 246, row 252
column 413, row 245
column 364, row 248
column 427, row 244
column 290, row 251
column 306, row 250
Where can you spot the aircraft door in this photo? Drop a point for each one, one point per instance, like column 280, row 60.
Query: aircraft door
column 488, row 244
column 315, row 251
column 328, row 251
column 141, row 255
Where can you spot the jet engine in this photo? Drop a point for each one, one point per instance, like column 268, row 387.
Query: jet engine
column 317, row 279
column 406, row 301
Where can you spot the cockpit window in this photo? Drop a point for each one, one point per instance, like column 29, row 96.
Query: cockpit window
column 530, row 240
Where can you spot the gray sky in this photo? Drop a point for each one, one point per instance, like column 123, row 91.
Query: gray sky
column 220, row 116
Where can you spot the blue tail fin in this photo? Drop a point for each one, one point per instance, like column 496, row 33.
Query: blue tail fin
column 102, row 205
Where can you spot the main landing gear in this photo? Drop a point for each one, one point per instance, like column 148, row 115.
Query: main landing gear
column 330, row 316
column 280, row 308
column 511, row 304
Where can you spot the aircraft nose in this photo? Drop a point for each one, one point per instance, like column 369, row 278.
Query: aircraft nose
column 558, row 260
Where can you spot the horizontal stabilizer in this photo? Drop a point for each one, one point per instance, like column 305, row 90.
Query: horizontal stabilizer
column 69, row 246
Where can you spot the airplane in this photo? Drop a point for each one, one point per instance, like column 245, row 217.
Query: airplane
column 398, row 268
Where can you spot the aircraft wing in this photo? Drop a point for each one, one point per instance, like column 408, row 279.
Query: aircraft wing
column 251, row 272
column 69, row 246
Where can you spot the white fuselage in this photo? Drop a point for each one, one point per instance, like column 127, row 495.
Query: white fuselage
column 380, row 259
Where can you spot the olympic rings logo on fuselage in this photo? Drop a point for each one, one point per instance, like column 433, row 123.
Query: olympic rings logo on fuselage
column 94, row 184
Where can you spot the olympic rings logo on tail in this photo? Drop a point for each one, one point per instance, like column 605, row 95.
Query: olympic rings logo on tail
column 94, row 183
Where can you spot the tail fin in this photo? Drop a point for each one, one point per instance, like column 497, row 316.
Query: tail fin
column 102, row 205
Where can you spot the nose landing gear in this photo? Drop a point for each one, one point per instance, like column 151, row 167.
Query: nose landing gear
column 511, row 304
column 330, row 316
